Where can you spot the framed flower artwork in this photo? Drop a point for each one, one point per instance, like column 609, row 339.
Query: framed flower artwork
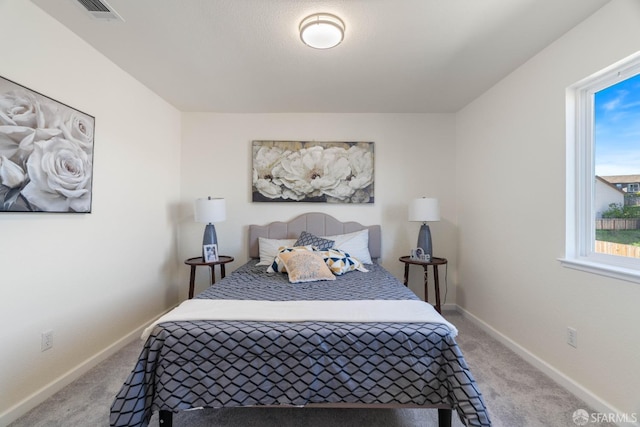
column 46, row 153
column 310, row 171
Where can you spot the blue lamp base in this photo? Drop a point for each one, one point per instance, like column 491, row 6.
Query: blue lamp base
column 424, row 240
column 210, row 237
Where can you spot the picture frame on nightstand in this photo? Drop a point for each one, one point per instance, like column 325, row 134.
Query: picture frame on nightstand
column 210, row 252
column 419, row 255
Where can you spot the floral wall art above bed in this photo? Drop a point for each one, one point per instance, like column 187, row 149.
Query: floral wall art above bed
column 310, row 171
column 46, row 153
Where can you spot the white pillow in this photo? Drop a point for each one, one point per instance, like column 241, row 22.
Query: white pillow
column 356, row 244
column 269, row 248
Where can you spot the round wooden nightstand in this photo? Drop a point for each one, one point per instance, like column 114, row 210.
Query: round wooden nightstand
column 195, row 262
column 435, row 262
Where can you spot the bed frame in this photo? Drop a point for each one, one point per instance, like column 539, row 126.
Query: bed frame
column 321, row 224
column 316, row 223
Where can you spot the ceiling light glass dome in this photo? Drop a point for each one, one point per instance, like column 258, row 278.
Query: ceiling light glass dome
column 322, row 30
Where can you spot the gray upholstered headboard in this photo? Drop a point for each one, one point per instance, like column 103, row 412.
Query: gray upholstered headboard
column 316, row 223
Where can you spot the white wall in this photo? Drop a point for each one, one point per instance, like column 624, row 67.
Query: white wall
column 413, row 157
column 511, row 145
column 91, row 278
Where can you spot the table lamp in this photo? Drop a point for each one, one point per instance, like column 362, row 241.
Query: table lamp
column 422, row 210
column 208, row 211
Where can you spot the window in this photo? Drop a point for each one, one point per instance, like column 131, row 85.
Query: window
column 603, row 158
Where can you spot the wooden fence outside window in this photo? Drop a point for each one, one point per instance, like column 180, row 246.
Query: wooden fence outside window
column 617, row 249
column 617, row 223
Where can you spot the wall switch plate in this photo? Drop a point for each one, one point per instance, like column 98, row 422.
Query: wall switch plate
column 46, row 341
column 572, row 337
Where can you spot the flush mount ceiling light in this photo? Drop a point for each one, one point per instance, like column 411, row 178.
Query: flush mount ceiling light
column 322, row 30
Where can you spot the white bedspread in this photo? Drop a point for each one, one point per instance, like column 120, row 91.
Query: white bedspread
column 357, row 311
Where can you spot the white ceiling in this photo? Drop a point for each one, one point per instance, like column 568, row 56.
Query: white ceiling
column 398, row 56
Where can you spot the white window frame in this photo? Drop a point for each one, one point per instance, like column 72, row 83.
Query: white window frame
column 580, row 176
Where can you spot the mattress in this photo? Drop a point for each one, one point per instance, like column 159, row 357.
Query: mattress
column 213, row 364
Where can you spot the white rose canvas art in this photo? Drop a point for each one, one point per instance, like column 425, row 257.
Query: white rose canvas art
column 311, row 171
column 46, row 153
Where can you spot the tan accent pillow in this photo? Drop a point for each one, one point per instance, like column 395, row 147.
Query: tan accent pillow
column 277, row 266
column 305, row 266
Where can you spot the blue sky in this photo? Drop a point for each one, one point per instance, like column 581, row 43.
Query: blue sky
column 617, row 129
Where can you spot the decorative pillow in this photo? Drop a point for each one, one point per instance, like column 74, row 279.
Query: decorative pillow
column 319, row 243
column 277, row 266
column 305, row 266
column 340, row 262
column 356, row 244
column 269, row 248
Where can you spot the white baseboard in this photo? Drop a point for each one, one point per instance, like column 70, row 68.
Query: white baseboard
column 595, row 402
column 449, row 307
column 39, row 396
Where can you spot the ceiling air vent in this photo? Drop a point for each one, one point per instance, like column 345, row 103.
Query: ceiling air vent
column 100, row 9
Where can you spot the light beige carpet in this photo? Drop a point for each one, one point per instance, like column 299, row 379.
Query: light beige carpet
column 516, row 394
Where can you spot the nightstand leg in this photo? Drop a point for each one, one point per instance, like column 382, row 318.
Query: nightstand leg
column 192, row 280
column 222, row 272
column 213, row 274
column 437, row 286
column 406, row 275
column 426, row 282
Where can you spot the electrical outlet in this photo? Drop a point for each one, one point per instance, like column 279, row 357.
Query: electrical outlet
column 46, row 341
column 572, row 337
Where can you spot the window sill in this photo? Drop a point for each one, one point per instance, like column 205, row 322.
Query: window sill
column 608, row 270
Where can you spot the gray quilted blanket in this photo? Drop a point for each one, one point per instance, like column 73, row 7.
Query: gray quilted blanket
column 212, row 364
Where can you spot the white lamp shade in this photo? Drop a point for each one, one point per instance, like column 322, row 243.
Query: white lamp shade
column 322, row 30
column 210, row 210
column 424, row 209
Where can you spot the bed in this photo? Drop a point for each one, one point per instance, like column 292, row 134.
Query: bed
column 350, row 341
